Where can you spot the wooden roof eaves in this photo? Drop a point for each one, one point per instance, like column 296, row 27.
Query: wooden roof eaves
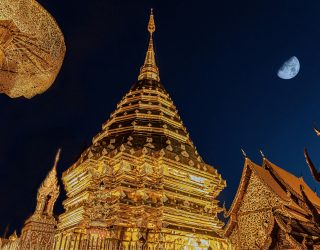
column 246, row 172
column 268, row 164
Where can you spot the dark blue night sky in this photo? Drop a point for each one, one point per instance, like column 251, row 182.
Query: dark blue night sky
column 217, row 59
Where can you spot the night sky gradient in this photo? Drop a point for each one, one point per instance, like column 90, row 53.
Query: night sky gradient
column 217, row 59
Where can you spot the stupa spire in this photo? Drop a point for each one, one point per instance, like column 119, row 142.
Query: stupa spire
column 49, row 190
column 149, row 69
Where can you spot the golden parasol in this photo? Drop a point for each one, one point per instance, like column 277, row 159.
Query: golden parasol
column 32, row 48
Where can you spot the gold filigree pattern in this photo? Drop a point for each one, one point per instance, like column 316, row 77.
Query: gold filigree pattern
column 268, row 212
column 266, row 198
column 254, row 229
column 255, row 215
column 32, row 48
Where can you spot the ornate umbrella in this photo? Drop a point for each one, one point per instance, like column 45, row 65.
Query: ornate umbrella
column 32, row 48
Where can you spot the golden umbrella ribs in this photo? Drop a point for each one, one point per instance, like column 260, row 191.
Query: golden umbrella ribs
column 32, row 48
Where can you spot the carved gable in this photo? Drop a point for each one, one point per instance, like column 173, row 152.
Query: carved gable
column 255, row 217
column 267, row 214
column 258, row 196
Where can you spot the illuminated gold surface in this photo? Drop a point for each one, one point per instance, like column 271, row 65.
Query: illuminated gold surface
column 32, row 48
column 269, row 211
column 142, row 184
column 38, row 231
column 149, row 70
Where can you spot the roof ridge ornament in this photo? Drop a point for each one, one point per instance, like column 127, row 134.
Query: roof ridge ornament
column 316, row 130
column 262, row 154
column 243, row 153
column 149, row 69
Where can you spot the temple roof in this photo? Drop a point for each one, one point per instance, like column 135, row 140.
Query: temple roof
column 284, row 184
column 292, row 182
column 292, row 215
column 300, row 234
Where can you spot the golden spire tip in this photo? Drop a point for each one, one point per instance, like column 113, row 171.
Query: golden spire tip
column 151, row 24
column 57, row 158
column 149, row 69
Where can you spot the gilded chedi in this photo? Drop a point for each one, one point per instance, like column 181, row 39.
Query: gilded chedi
column 32, row 48
column 142, row 184
column 270, row 211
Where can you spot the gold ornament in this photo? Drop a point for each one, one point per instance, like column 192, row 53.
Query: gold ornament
column 32, row 48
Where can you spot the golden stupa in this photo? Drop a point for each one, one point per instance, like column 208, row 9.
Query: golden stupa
column 142, row 184
column 32, row 48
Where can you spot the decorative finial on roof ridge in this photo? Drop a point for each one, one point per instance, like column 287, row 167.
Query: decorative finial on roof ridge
column 317, row 131
column 262, row 154
column 149, row 69
column 244, row 153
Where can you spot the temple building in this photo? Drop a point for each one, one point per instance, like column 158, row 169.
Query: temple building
column 269, row 210
column 142, row 184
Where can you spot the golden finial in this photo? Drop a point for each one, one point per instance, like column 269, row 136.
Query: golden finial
column 151, row 25
column 243, row 153
column 262, row 154
column 317, row 131
column 57, row 158
column 149, row 69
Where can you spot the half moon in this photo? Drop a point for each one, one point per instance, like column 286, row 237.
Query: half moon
column 289, row 68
